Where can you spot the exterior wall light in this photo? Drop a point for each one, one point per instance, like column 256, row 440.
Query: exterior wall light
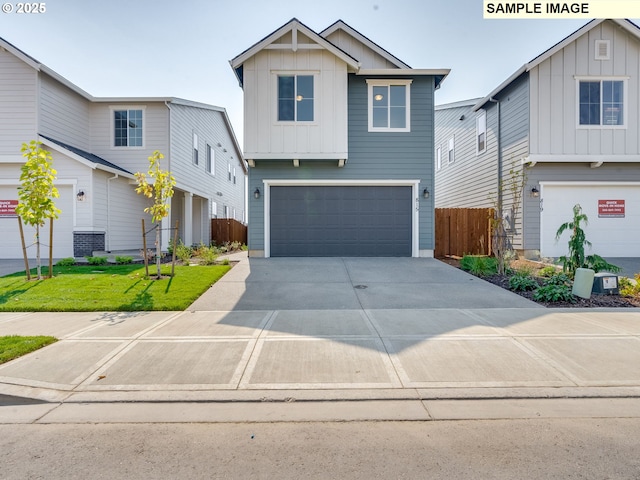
column 256, row 193
column 535, row 192
column 80, row 195
column 425, row 193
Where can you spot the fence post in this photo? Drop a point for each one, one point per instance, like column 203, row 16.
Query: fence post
column 173, row 253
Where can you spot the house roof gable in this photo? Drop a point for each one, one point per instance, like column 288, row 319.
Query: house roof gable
column 341, row 25
column 628, row 25
column 293, row 25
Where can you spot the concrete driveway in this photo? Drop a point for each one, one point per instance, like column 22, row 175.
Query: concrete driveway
column 352, row 283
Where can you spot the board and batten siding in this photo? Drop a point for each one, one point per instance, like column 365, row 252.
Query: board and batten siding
column 372, row 156
column 325, row 137
column 18, row 105
column 155, row 134
column 368, row 58
column 554, row 122
column 64, row 114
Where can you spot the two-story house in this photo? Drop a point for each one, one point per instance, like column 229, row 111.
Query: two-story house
column 97, row 145
column 571, row 118
column 339, row 141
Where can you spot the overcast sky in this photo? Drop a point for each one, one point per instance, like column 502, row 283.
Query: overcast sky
column 182, row 48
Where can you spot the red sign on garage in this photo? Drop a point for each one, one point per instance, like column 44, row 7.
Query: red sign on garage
column 8, row 208
column 611, row 208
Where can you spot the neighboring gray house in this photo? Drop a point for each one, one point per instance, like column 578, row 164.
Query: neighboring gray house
column 572, row 117
column 339, row 140
column 97, row 144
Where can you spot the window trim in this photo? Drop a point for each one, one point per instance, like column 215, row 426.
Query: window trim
column 388, row 83
column 295, row 73
column 112, row 123
column 438, row 158
column 625, row 102
column 195, row 150
column 451, row 150
column 481, row 116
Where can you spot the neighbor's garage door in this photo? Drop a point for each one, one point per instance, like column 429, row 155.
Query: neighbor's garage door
column 356, row 221
column 11, row 246
column 613, row 212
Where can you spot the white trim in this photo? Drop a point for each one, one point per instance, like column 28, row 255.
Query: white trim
column 451, row 147
column 438, row 158
column 533, row 159
column 388, row 83
column 275, row 75
column 415, row 201
column 625, row 102
column 253, row 156
column 482, row 114
column 403, row 71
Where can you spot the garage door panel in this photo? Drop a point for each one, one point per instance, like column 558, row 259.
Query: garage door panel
column 610, row 236
column 341, row 220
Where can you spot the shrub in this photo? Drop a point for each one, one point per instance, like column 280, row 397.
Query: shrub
column 96, row 260
column 556, row 288
column 66, row 262
column 627, row 288
column 478, row 265
column 548, row 271
column 225, row 261
column 599, row 264
column 123, row 260
column 207, row 255
column 522, row 282
column 183, row 252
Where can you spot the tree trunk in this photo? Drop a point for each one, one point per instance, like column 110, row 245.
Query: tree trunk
column 39, row 267
column 158, row 250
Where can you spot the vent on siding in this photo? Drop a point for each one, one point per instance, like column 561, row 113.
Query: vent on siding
column 603, row 49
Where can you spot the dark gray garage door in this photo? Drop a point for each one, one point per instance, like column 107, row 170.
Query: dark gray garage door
column 333, row 221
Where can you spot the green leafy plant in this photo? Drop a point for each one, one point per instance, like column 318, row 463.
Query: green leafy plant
column 183, row 252
column 577, row 241
column 479, row 265
column 599, row 264
column 66, row 262
column 522, row 281
column 36, row 192
column 627, row 288
column 225, row 261
column 548, row 271
column 206, row 254
column 556, row 288
column 123, row 260
column 96, row 260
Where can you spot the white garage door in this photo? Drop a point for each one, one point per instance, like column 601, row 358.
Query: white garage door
column 613, row 211
column 10, row 245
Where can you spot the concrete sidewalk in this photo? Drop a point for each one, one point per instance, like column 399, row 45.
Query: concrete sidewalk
column 363, row 356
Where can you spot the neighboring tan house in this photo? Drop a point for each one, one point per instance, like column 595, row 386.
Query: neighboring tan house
column 97, row 145
column 571, row 116
column 339, row 139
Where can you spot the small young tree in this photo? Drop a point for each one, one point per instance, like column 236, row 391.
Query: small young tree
column 513, row 185
column 159, row 187
column 37, row 191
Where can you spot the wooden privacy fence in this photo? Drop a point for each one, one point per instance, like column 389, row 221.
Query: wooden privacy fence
column 225, row 230
column 461, row 231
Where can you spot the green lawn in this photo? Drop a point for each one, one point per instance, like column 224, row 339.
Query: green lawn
column 13, row 346
column 107, row 288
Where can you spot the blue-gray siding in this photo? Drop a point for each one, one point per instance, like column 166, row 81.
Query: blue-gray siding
column 372, row 156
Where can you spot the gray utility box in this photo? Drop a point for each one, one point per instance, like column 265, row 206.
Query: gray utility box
column 605, row 283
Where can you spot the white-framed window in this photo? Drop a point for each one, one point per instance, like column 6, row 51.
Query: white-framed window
column 481, row 132
column 601, row 102
column 389, row 105
column 438, row 158
column 450, row 151
column 195, row 148
column 211, row 160
column 295, row 98
column 214, row 210
column 229, row 171
column 234, row 175
column 128, row 127
column 225, row 211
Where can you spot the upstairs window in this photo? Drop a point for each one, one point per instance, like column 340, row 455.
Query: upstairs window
column 481, row 132
column 451, row 154
column 389, row 105
column 195, row 148
column 211, row 159
column 438, row 158
column 295, row 98
column 127, row 128
column 601, row 102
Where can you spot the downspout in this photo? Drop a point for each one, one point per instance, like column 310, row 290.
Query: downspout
column 499, row 146
column 108, row 239
column 164, row 239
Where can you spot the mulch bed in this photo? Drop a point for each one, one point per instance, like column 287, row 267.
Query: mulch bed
column 596, row 301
